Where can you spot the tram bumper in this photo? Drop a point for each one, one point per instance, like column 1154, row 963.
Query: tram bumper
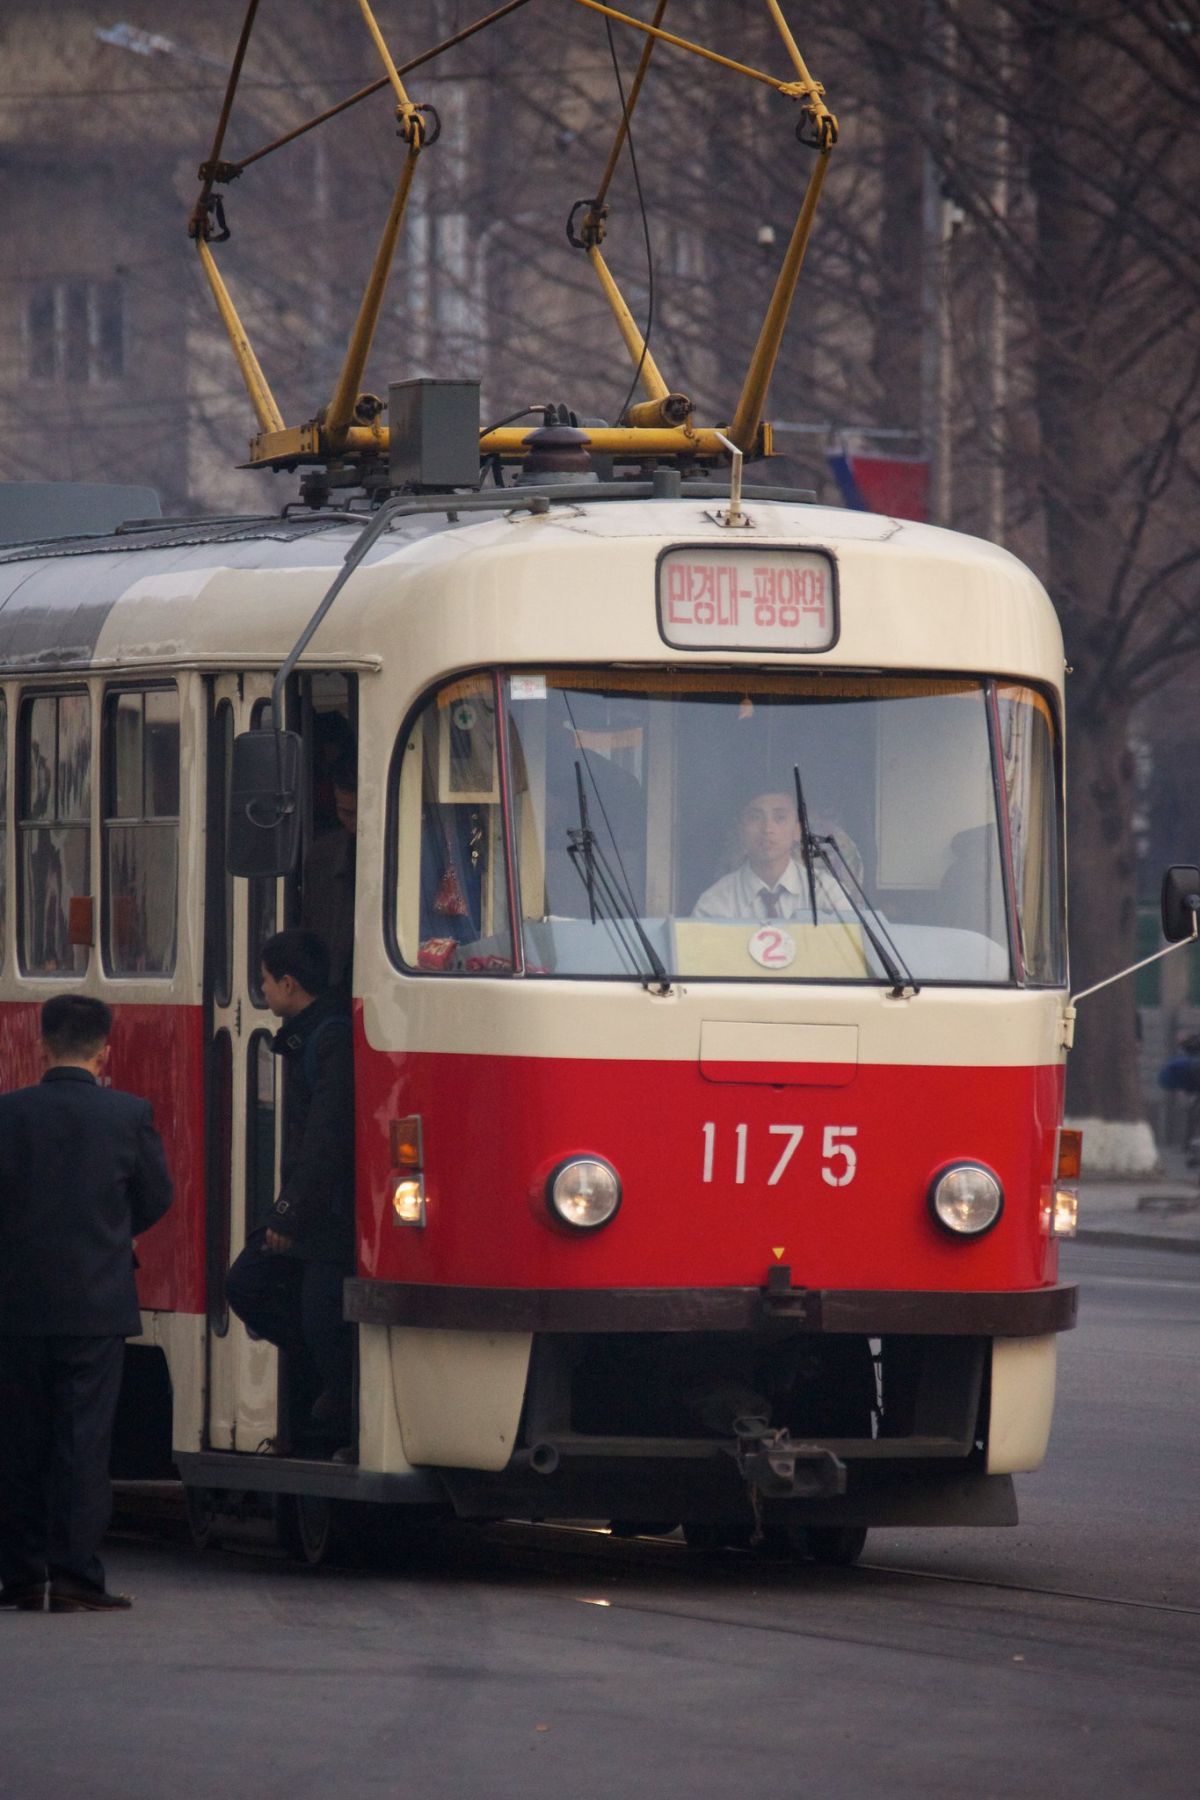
column 652, row 1393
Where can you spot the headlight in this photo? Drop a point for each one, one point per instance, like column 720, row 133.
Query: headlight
column 966, row 1199
column 583, row 1193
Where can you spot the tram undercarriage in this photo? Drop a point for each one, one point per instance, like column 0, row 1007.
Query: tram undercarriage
column 773, row 1436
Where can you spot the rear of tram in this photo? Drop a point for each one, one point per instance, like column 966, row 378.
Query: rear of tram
column 678, row 1208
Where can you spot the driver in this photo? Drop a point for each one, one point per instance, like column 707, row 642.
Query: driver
column 771, row 882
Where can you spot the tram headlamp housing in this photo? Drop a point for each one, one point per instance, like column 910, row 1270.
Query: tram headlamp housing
column 583, row 1193
column 966, row 1199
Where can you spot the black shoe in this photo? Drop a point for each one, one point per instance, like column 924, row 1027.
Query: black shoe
column 30, row 1597
column 78, row 1596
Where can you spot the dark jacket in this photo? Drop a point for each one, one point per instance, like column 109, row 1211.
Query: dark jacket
column 82, row 1172
column 315, row 1208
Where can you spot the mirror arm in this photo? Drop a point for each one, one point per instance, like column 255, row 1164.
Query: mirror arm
column 1067, row 1034
column 1193, row 902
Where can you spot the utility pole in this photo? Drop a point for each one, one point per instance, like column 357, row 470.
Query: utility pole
column 941, row 217
column 997, row 316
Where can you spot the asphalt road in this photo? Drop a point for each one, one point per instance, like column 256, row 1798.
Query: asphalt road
column 1059, row 1658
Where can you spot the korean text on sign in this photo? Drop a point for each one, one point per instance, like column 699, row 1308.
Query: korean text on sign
column 770, row 600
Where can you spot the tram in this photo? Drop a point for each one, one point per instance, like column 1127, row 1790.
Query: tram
column 661, row 1217
column 708, row 969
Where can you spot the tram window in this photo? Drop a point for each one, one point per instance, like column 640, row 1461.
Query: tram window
column 260, row 1130
column 631, row 805
column 220, row 1179
column 263, row 900
column 218, row 924
column 3, row 826
column 141, row 830
column 451, row 895
column 328, row 874
column 55, row 785
column 1027, row 739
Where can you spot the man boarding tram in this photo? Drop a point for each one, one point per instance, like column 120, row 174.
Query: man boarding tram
column 287, row 1283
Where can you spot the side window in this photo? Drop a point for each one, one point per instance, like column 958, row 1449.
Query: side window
column 55, row 795
column 451, row 881
column 219, row 1180
column 3, row 826
column 260, row 914
column 260, row 1130
column 1027, row 745
column 218, row 921
column 141, row 830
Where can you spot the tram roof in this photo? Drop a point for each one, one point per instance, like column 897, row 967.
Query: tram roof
column 220, row 592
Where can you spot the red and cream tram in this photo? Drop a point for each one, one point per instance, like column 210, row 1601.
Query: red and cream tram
column 665, row 1214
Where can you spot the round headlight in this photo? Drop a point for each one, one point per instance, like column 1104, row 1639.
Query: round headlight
column 966, row 1199
column 583, row 1193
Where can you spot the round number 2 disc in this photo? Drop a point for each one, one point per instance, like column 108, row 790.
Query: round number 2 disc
column 772, row 947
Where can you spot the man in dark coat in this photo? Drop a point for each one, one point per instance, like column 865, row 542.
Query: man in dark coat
column 82, row 1172
column 287, row 1283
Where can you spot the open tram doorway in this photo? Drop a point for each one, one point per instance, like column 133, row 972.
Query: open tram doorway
column 248, row 1388
column 321, row 895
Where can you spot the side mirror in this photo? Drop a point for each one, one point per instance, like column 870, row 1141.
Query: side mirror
column 264, row 804
column 1180, row 902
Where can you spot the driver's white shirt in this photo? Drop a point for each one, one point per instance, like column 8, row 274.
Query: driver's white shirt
column 741, row 896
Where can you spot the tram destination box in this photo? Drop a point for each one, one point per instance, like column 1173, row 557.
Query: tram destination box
column 433, row 433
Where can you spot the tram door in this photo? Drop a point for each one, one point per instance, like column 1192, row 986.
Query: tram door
column 243, row 1109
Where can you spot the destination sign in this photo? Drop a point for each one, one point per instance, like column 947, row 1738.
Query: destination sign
column 742, row 598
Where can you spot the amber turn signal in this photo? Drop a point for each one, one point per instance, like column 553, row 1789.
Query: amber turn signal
column 1070, row 1155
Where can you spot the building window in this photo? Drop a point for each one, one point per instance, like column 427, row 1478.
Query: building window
column 55, row 820
column 75, row 332
column 141, row 830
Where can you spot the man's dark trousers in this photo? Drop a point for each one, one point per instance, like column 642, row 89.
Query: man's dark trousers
column 58, row 1398
column 296, row 1303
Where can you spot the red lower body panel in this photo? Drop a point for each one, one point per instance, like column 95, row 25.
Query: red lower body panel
column 721, row 1181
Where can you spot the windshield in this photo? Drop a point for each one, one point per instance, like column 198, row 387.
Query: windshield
column 671, row 799
column 730, row 825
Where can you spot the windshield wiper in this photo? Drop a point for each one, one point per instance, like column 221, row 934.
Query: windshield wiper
column 807, row 842
column 616, row 906
column 848, row 884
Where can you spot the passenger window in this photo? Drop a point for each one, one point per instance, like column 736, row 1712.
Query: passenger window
column 3, row 826
column 260, row 1131
column 141, row 830
column 451, row 891
column 55, row 819
column 219, row 1182
column 262, row 900
column 218, row 923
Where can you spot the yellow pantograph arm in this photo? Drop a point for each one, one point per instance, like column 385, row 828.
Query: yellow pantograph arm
column 261, row 398
column 341, row 409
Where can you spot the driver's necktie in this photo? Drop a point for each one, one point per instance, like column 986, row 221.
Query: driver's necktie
column 771, row 899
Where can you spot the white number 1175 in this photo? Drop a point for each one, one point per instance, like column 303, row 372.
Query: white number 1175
column 839, row 1157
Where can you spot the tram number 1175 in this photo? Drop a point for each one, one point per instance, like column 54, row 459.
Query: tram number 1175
column 839, row 1156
